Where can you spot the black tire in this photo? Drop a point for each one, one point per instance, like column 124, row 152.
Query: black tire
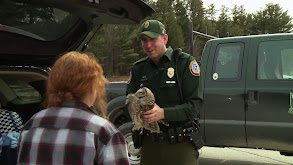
column 286, row 153
column 133, row 154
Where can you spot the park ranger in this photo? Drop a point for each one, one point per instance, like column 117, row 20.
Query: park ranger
column 173, row 77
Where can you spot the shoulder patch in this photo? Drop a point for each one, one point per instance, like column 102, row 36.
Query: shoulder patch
column 129, row 78
column 194, row 68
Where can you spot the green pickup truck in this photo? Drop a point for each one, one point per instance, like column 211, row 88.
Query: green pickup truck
column 248, row 82
column 247, row 92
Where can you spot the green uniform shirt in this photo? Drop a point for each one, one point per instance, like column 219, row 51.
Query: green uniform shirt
column 162, row 81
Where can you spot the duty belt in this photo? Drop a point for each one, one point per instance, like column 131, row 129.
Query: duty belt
column 173, row 135
column 157, row 136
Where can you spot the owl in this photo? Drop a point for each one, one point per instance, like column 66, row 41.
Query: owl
column 138, row 103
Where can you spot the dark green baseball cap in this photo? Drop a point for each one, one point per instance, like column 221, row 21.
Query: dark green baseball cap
column 152, row 28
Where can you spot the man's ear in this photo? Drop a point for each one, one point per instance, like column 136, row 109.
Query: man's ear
column 165, row 38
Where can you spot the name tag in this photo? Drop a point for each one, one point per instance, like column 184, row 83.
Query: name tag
column 170, row 82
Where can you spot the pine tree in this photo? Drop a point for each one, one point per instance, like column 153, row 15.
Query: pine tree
column 128, row 55
column 238, row 21
column 271, row 20
column 182, row 20
column 209, row 22
column 223, row 24
column 196, row 13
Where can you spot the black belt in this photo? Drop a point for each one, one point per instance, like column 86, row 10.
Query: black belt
column 174, row 133
column 160, row 136
column 157, row 136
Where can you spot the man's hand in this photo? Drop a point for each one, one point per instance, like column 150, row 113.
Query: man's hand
column 154, row 114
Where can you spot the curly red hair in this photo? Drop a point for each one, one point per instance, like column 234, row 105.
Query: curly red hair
column 72, row 75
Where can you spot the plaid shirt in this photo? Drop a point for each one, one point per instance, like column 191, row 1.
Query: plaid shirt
column 71, row 134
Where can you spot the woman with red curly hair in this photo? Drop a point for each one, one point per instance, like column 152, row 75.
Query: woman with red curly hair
column 70, row 130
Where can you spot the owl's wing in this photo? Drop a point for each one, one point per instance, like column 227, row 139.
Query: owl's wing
column 128, row 98
column 133, row 107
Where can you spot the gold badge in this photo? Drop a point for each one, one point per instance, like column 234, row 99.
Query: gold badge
column 170, row 72
column 147, row 24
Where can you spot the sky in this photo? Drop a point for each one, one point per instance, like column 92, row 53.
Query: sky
column 251, row 6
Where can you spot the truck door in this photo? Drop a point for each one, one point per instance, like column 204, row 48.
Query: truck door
column 269, row 119
column 224, row 83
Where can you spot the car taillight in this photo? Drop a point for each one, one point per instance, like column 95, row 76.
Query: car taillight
column 2, row 28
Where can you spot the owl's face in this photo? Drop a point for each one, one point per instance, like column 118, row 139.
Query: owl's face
column 145, row 96
column 141, row 93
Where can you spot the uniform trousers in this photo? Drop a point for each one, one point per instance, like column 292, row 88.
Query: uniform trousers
column 164, row 153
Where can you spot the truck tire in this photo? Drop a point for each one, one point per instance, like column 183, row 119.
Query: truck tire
column 117, row 112
column 133, row 154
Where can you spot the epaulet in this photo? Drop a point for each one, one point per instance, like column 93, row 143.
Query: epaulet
column 140, row 60
column 185, row 55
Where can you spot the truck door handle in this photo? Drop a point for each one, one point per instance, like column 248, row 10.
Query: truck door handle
column 253, row 98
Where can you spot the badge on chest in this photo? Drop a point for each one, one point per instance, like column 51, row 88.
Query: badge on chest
column 170, row 72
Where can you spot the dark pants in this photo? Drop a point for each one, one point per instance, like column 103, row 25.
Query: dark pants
column 164, row 153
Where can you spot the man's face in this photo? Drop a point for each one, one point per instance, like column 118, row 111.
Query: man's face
column 154, row 48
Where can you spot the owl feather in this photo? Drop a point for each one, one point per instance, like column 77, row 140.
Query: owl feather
column 138, row 103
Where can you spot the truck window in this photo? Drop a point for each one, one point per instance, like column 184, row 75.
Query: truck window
column 275, row 60
column 227, row 62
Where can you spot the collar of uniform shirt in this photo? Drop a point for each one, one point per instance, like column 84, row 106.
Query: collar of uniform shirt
column 168, row 54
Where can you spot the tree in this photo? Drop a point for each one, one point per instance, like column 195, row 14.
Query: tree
column 182, row 20
column 249, row 24
column 238, row 21
column 127, row 54
column 209, row 22
column 223, row 24
column 163, row 8
column 210, row 14
column 196, row 12
column 97, row 46
column 271, row 20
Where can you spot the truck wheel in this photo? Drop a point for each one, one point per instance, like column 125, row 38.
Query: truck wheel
column 119, row 116
column 133, row 154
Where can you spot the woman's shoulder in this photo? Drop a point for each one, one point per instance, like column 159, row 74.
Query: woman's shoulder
column 105, row 126
column 106, row 129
